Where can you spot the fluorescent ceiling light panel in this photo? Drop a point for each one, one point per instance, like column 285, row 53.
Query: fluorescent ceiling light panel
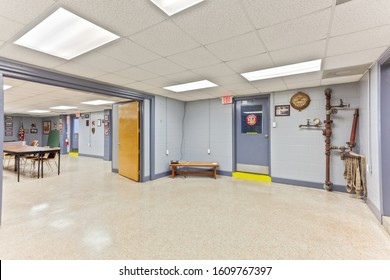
column 98, row 102
column 62, row 107
column 5, row 87
column 65, row 35
column 287, row 70
column 38, row 111
column 171, row 7
column 191, row 86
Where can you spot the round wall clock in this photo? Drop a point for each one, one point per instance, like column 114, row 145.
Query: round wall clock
column 300, row 101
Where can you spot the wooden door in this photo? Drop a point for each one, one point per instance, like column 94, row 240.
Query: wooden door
column 128, row 145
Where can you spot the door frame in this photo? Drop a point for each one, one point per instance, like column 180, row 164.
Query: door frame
column 17, row 70
column 234, row 156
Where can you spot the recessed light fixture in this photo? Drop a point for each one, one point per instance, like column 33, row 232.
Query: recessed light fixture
column 65, row 35
column 191, row 86
column 98, row 102
column 171, row 7
column 38, row 111
column 62, row 107
column 5, row 87
column 287, row 70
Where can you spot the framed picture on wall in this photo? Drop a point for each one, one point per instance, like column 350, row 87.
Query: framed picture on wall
column 46, row 127
column 282, row 110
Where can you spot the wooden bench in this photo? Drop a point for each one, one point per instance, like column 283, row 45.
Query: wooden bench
column 176, row 171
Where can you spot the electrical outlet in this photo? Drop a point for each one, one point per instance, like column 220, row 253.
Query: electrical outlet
column 167, row 153
column 274, row 124
column 208, row 151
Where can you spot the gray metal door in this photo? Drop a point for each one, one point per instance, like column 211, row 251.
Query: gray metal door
column 252, row 135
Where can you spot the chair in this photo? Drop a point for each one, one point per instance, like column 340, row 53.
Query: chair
column 34, row 143
column 46, row 158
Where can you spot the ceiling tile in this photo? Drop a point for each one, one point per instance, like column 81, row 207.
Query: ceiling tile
column 101, row 62
column 216, row 70
column 9, row 29
column 356, row 58
column 114, row 79
column 140, row 86
column 18, row 53
column 262, row 12
column 184, row 77
column 252, row 63
column 247, row 92
column 238, row 47
column 128, row 52
column 159, row 82
column 24, row 11
column 230, row 80
column 195, row 58
column 305, row 84
column 359, row 41
column 214, row 21
column 136, row 74
column 341, row 80
column 79, row 70
column 360, row 15
column 165, row 39
column 240, row 86
column 122, row 17
column 305, row 29
column 301, row 53
column 275, row 84
column 303, row 77
column 162, row 67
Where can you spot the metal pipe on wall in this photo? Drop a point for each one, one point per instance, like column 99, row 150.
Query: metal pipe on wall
column 327, row 132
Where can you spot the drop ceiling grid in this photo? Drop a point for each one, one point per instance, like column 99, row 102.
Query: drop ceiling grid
column 306, row 29
column 162, row 67
column 129, row 16
column 128, row 52
column 165, row 39
column 262, row 12
column 214, row 21
column 360, row 15
column 237, row 47
column 195, row 58
column 300, row 53
column 359, row 41
column 355, row 58
column 9, row 28
column 24, row 12
column 73, row 68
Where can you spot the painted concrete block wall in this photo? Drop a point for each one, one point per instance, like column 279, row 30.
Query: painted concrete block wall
column 91, row 144
column 299, row 154
column 208, row 125
column 55, row 122
column 369, row 133
column 169, row 115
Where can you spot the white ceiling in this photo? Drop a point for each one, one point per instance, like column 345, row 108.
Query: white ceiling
column 215, row 40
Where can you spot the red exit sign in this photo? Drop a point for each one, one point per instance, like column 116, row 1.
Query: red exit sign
column 227, row 99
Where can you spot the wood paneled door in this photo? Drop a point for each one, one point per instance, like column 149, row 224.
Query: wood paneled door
column 128, row 144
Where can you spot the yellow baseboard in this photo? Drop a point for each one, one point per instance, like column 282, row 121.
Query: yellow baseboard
column 73, row 154
column 251, row 176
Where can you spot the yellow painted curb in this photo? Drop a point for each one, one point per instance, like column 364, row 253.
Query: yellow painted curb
column 251, row 176
column 73, row 154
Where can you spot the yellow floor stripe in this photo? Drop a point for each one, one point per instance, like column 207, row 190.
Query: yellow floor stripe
column 251, row 176
column 74, row 154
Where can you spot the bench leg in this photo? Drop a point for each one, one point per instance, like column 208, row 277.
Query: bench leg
column 173, row 172
column 215, row 172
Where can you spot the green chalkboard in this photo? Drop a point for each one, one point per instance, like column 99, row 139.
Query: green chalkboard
column 54, row 139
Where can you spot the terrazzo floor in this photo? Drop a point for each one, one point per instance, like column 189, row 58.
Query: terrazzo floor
column 90, row 213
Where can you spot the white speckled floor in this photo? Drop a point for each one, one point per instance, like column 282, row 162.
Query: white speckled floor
column 90, row 213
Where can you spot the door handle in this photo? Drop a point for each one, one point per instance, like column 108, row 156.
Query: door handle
column 266, row 136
